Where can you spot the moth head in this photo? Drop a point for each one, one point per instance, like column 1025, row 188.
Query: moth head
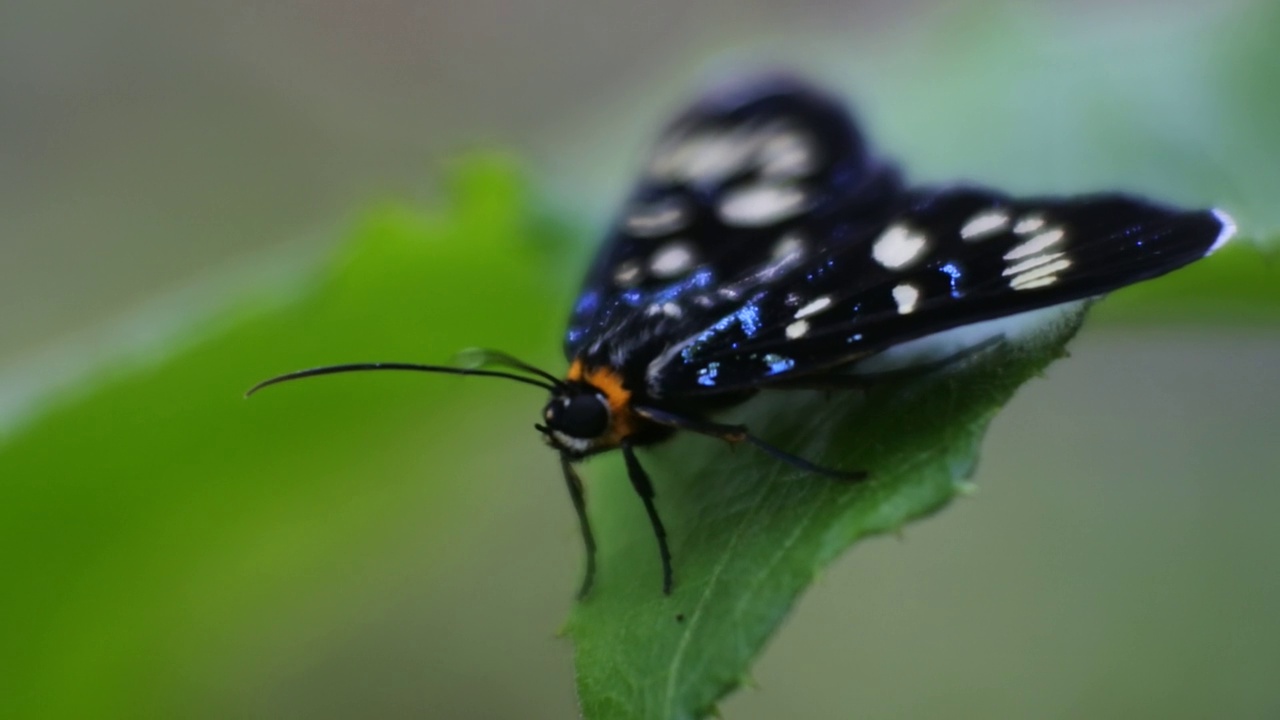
column 577, row 419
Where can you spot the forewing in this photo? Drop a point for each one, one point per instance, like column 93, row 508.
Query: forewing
column 944, row 259
column 727, row 181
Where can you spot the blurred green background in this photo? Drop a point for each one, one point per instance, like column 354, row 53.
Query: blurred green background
column 193, row 197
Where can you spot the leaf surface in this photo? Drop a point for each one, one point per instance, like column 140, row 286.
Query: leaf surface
column 749, row 535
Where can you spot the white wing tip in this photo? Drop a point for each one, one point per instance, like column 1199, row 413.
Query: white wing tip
column 1228, row 230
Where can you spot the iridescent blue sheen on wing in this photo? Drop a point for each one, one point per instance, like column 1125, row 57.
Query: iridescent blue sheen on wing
column 1045, row 252
column 727, row 179
column 765, row 242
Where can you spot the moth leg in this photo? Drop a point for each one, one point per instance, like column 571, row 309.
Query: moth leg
column 739, row 433
column 644, row 488
column 580, row 505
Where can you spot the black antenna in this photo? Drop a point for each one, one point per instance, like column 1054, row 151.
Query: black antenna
column 361, row 367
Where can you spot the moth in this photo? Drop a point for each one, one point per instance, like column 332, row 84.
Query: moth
column 767, row 247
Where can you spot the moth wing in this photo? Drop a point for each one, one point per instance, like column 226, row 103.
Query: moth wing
column 946, row 258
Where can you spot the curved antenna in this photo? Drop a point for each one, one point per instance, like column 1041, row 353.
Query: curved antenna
column 479, row 357
column 361, row 367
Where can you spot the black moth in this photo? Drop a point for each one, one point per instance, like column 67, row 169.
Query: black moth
column 766, row 247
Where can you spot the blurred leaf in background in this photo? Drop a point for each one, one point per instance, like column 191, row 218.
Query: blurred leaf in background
column 154, row 520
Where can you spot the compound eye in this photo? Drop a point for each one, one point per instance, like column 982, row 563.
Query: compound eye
column 581, row 416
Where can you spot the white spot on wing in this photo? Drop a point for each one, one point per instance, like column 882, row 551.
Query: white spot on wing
column 898, row 247
column 707, row 156
column 627, row 273
column 1228, row 230
column 661, row 217
column 786, row 153
column 762, row 204
column 906, row 295
column 1028, row 224
column 814, row 307
column 1040, row 276
column 797, row 329
column 670, row 309
column 1039, row 282
column 984, row 225
column 789, row 248
column 1030, row 263
column 717, row 156
column 1036, row 244
column 671, row 260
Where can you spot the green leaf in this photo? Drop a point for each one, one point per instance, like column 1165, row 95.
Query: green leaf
column 749, row 534
column 158, row 531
